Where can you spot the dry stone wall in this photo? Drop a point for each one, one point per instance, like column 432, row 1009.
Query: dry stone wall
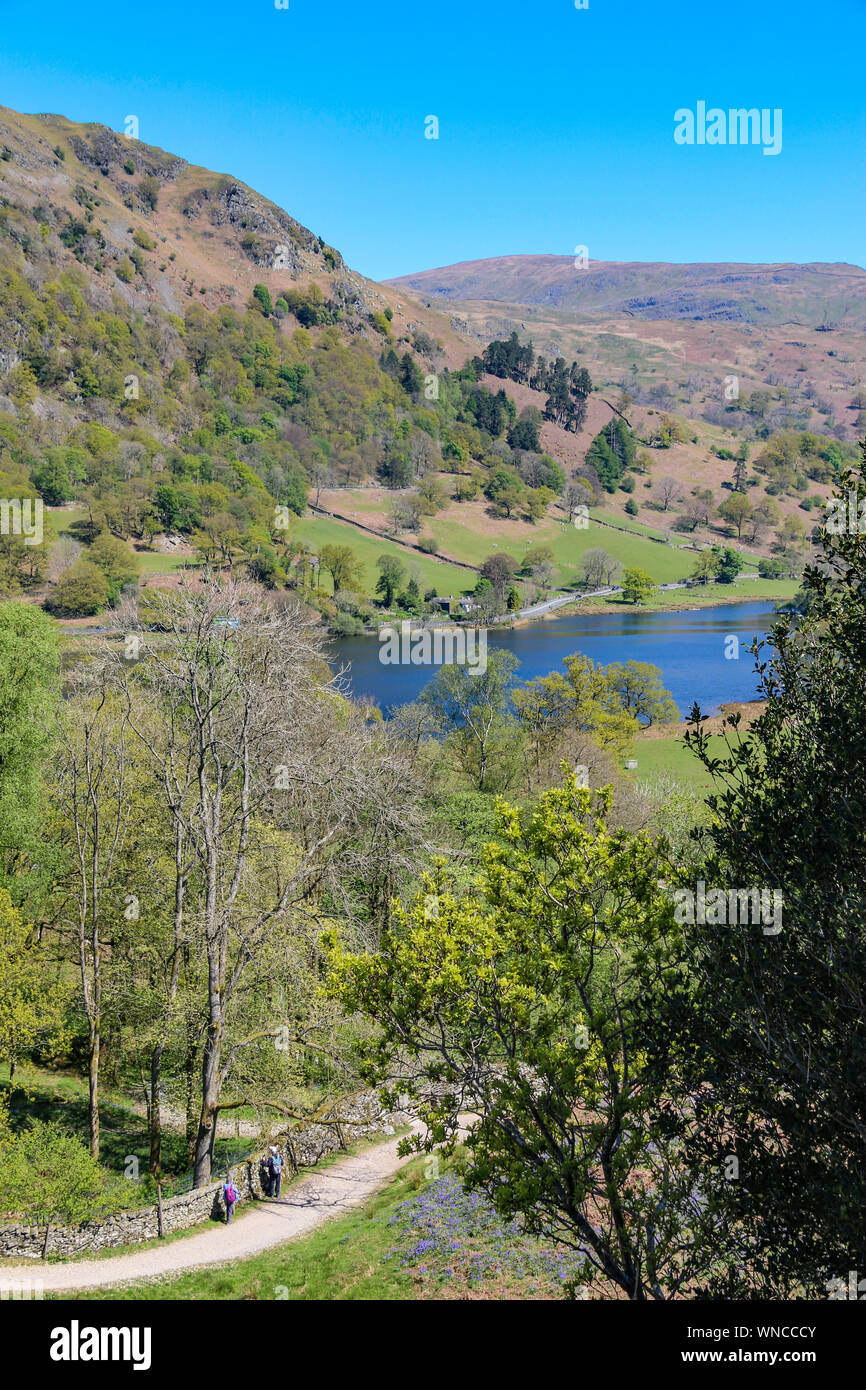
column 355, row 1118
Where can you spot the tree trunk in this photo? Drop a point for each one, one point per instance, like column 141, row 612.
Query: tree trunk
column 155, row 1111
column 93, row 1088
column 210, row 1095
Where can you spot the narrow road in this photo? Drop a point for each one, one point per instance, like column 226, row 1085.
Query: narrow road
column 559, row 600
column 303, row 1206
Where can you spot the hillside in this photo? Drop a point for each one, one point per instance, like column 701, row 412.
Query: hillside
column 149, row 394
column 186, row 372
column 806, row 295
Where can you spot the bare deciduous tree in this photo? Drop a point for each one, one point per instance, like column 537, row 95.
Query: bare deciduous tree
column 667, row 491
column 283, row 797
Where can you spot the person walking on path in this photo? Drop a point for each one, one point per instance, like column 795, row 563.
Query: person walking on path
column 275, row 1166
column 265, row 1175
column 230, row 1196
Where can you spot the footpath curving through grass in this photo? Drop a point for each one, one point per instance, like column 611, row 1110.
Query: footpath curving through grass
column 418, row 1237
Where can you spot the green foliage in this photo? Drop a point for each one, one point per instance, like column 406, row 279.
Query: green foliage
column 638, row 687
column 32, row 1004
column 779, row 1025
column 471, row 708
column 770, row 568
column 730, row 564
column 149, row 190
column 80, row 592
column 29, row 692
column 343, row 566
column 526, row 994
column 390, row 578
column 116, row 561
column 47, row 1174
column 611, row 452
column 262, row 298
column 637, row 585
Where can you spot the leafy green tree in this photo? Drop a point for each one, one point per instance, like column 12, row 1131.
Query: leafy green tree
column 262, row 297
column 770, row 568
column 583, row 701
column 343, row 566
column 149, row 190
column 118, row 563
column 637, row 585
column 82, row 591
column 411, row 376
column 612, row 452
column 525, row 432
column 29, row 696
column 736, row 510
column 390, row 578
column 52, row 478
column 32, row 1002
column 522, row 1001
column 706, row 566
column 766, row 1029
column 47, row 1175
column 178, row 505
column 730, row 564
column 638, row 687
column 505, row 490
column 471, row 707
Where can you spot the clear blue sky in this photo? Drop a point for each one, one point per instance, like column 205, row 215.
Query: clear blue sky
column 556, row 125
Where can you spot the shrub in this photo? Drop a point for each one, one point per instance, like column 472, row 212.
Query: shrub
column 262, row 299
column 82, row 591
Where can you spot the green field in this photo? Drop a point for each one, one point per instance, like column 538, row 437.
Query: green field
column 657, row 757
column 569, row 545
column 151, row 561
column 431, row 573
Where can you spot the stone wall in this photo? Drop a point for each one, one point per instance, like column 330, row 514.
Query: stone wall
column 356, row 1117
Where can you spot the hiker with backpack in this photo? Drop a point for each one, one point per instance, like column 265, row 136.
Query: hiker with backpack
column 230, row 1196
column 265, row 1176
column 275, row 1169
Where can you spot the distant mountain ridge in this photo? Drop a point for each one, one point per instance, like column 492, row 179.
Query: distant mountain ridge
column 813, row 295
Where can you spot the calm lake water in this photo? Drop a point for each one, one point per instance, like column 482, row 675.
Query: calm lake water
column 687, row 646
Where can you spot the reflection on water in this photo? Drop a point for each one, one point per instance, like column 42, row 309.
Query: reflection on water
column 688, row 647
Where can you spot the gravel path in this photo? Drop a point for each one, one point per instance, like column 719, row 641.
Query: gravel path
column 303, row 1205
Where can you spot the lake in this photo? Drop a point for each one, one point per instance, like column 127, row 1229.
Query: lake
column 688, row 647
